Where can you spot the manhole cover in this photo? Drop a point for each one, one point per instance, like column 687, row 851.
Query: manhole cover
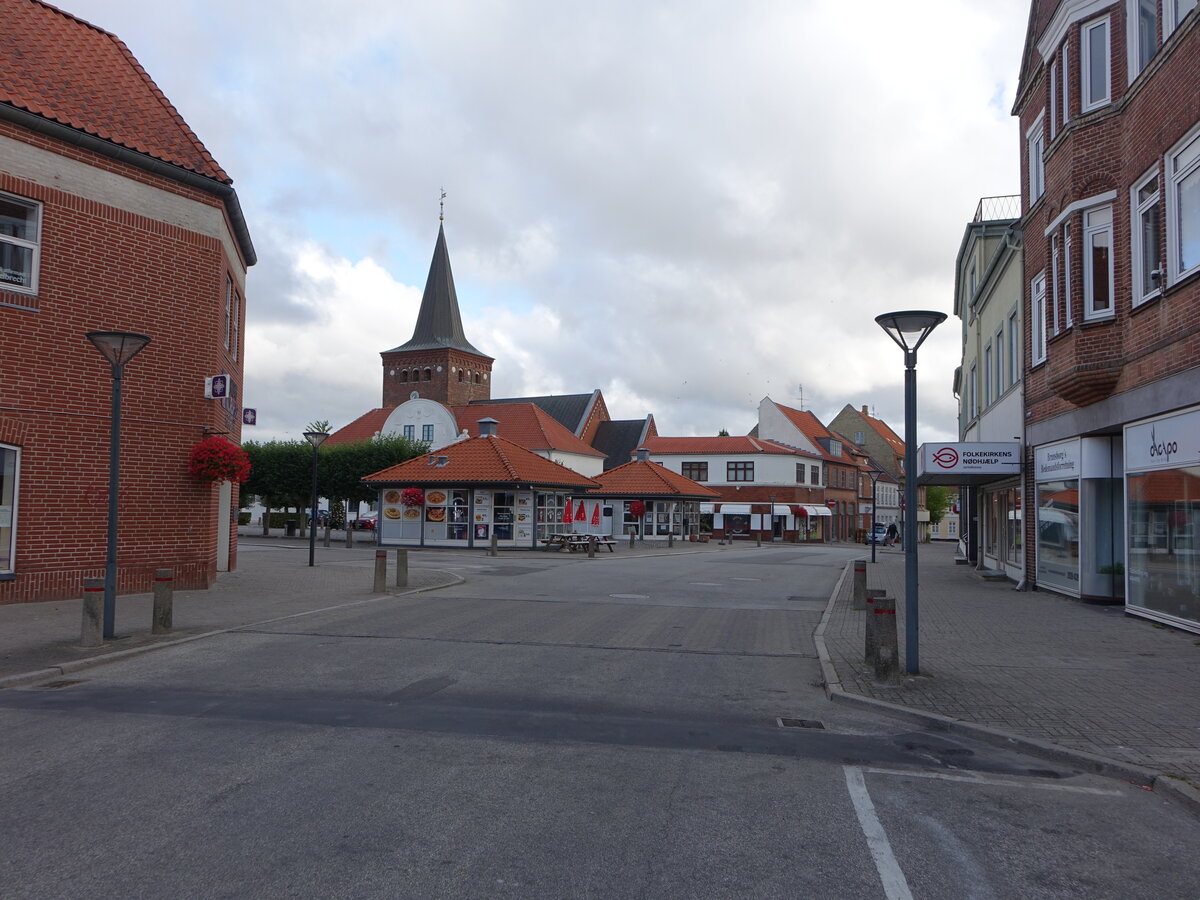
column 785, row 722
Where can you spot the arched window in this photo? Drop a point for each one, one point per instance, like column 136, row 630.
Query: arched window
column 403, row 377
column 428, row 374
column 477, row 378
column 460, row 374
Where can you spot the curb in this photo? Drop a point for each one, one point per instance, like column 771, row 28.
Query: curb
column 1176, row 789
column 78, row 665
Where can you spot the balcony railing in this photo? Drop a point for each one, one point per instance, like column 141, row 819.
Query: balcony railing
column 993, row 209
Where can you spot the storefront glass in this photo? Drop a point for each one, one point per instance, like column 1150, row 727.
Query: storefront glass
column 1164, row 549
column 1058, row 534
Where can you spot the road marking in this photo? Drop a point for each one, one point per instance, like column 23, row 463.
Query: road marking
column 706, row 583
column 895, row 886
column 998, row 782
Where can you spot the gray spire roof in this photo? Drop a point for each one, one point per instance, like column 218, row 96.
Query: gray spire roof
column 439, row 324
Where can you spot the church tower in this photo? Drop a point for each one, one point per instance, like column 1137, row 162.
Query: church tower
column 438, row 362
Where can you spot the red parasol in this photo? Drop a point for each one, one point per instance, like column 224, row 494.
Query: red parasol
column 567, row 512
column 581, row 513
column 596, row 515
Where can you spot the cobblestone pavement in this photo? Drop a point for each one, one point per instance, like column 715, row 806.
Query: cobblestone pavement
column 1085, row 677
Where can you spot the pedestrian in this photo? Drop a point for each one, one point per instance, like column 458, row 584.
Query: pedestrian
column 892, row 534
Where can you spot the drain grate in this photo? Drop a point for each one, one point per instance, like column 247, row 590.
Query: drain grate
column 785, row 722
column 61, row 683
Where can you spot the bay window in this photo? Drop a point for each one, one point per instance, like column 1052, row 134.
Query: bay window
column 1037, row 315
column 1183, row 198
column 1098, row 262
column 1144, row 230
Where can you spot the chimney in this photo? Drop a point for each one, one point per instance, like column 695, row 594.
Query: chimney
column 643, row 455
column 865, row 413
column 488, row 427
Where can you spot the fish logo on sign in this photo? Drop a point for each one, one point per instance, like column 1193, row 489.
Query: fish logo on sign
column 947, row 457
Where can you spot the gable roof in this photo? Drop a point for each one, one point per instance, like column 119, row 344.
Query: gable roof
column 363, row 428
column 486, row 460
column 68, row 71
column 617, row 439
column 569, row 410
column 733, row 444
column 645, row 478
column 810, row 426
column 523, row 423
column 439, row 322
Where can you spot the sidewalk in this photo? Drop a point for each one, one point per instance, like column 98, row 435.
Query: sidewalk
column 1087, row 678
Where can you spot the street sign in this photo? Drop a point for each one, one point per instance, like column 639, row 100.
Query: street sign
column 249, row 416
column 216, row 387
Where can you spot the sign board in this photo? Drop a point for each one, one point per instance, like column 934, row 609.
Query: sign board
column 1057, row 462
column 995, row 460
column 1168, row 442
column 249, row 416
column 216, row 387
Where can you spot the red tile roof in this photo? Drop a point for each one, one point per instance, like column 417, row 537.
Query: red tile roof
column 488, row 460
column 363, row 428
column 810, row 426
column 64, row 69
column 712, row 445
column 649, row 479
column 523, row 423
column 885, row 432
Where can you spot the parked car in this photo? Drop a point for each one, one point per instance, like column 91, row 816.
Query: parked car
column 365, row 522
column 322, row 517
column 877, row 535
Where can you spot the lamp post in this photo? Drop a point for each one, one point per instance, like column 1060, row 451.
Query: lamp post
column 874, row 474
column 118, row 347
column 316, row 438
column 909, row 330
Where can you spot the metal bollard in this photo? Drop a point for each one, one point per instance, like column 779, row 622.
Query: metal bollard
column 380, row 570
column 492, row 546
column 873, row 595
column 401, row 568
column 887, row 649
column 860, row 585
column 164, row 601
column 93, row 613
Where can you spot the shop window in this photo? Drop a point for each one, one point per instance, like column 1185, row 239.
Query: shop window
column 697, row 471
column 1183, row 198
column 739, row 471
column 1145, row 230
column 20, row 222
column 1094, row 69
column 1058, row 535
column 1098, row 263
column 9, row 467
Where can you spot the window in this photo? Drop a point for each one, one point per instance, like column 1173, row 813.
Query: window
column 1094, row 69
column 1183, row 204
column 972, row 280
column 1144, row 230
column 427, row 433
column 1097, row 263
column 410, row 432
column 404, row 377
column 1143, row 42
column 973, row 392
column 19, row 226
column 428, row 374
column 815, row 472
column 1014, row 346
column 1066, row 86
column 859, row 438
column 697, row 471
column 739, row 471
column 228, row 308
column 1173, row 13
column 1054, row 278
column 460, row 374
column 1000, row 362
column 237, row 323
column 799, row 473
column 987, row 376
column 1037, row 316
column 9, row 466
column 1053, row 98
column 1067, row 294
column 1035, row 139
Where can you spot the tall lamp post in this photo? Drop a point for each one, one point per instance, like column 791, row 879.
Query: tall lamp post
column 909, row 330
column 316, row 438
column 874, row 474
column 118, row 347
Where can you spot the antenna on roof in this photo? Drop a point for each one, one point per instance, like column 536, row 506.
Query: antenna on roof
column 442, row 205
column 801, row 397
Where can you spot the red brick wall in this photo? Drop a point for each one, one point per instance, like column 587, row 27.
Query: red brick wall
column 443, row 386
column 105, row 268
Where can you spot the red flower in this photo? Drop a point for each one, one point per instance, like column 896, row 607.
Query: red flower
column 637, row 509
column 215, row 459
column 412, row 497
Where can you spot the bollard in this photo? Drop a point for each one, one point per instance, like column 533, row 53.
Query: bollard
column 860, row 585
column 401, row 568
column 380, row 570
column 328, row 529
column 349, row 532
column 93, row 612
column 591, row 548
column 670, row 540
column 887, row 649
column 631, row 540
column 164, row 601
column 492, row 546
column 758, row 538
column 873, row 595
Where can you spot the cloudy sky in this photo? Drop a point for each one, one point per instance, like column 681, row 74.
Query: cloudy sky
column 688, row 204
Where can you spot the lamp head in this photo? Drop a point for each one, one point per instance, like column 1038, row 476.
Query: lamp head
column 910, row 327
column 316, row 438
column 118, row 347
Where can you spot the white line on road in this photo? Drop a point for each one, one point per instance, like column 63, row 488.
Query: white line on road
column 998, row 782
column 895, row 886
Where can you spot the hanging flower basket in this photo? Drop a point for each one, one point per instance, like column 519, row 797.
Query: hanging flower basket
column 412, row 497
column 637, row 509
column 215, row 459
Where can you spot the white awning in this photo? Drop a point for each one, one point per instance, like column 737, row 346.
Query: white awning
column 817, row 510
column 782, row 509
column 734, row 509
column 706, row 509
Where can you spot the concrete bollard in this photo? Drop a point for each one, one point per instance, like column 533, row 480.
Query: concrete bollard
column 164, row 601
column 860, row 585
column 671, row 541
column 328, row 529
column 873, row 595
column 591, row 546
column 93, row 613
column 401, row 568
column 380, row 570
column 492, row 546
column 349, row 532
column 887, row 648
column 631, row 540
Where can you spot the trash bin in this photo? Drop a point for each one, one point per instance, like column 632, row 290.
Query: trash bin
column 291, row 527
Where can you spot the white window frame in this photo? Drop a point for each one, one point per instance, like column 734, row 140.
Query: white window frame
column 1035, row 142
column 1037, row 318
column 1054, row 299
column 1088, row 34
column 410, row 432
column 1171, row 17
column 1000, row 360
column 1068, row 294
column 973, row 391
column 12, row 509
column 1133, row 36
column 34, row 245
column 1014, row 346
column 1176, row 173
column 1066, row 85
column 1137, row 211
column 1053, row 99
column 427, row 432
column 1089, row 233
column 988, row 375
column 228, row 308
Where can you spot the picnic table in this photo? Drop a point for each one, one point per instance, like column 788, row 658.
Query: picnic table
column 573, row 542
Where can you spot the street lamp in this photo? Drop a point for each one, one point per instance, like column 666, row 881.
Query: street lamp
column 118, row 347
column 874, row 474
column 909, row 330
column 316, row 438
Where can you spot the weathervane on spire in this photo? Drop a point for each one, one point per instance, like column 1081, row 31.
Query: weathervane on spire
column 442, row 206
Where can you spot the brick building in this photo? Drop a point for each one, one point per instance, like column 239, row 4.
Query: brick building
column 1109, row 108
column 113, row 217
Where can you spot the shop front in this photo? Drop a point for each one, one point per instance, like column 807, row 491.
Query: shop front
column 1162, row 495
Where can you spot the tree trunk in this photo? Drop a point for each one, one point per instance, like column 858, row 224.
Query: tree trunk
column 266, row 522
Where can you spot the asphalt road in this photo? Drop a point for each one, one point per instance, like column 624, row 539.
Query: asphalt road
column 553, row 727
